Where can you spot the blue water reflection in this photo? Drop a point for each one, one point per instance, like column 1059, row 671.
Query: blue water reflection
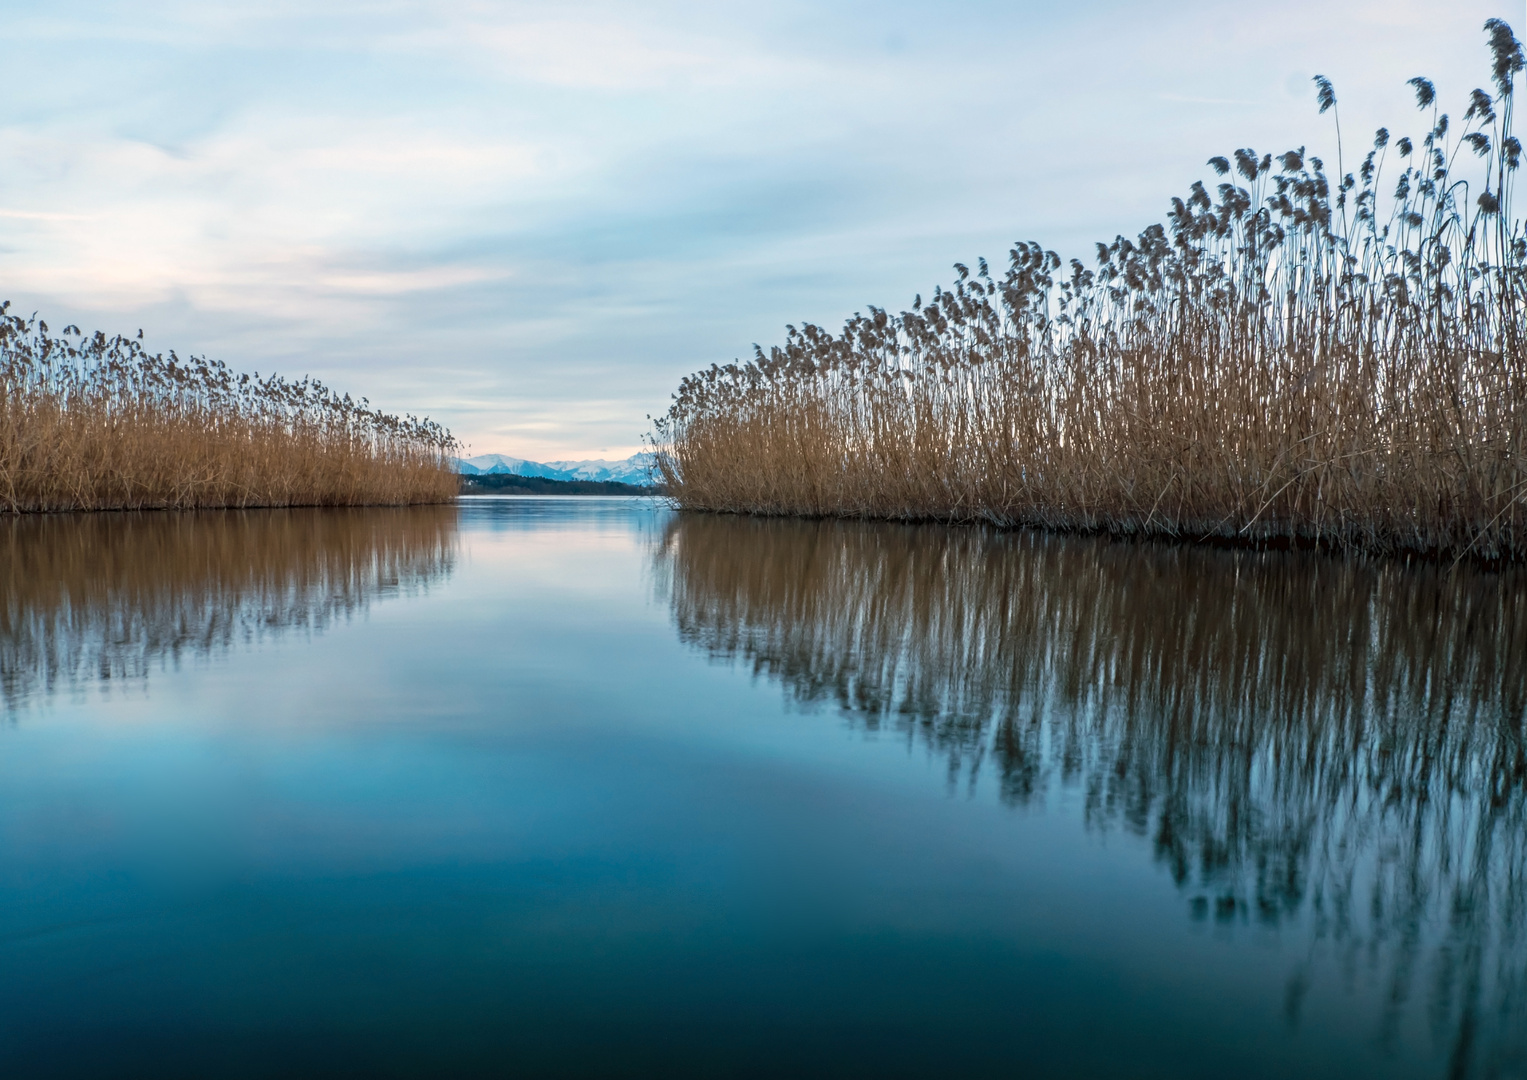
column 573, row 787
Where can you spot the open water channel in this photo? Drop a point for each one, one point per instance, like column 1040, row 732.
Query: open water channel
column 544, row 787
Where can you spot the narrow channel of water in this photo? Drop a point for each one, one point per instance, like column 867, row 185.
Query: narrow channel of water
column 563, row 787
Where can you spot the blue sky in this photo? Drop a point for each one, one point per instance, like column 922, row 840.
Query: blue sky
column 531, row 220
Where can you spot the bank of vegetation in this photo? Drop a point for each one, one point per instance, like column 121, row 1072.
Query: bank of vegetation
column 514, row 484
column 100, row 423
column 1296, row 356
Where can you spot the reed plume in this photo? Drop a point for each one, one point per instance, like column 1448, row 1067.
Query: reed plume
column 98, row 423
column 1293, row 358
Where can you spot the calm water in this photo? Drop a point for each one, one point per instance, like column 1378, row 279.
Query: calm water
column 572, row 787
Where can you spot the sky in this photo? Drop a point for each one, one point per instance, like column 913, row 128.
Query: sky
column 531, row 220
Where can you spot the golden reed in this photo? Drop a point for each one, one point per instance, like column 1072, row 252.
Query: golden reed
column 98, row 423
column 1298, row 358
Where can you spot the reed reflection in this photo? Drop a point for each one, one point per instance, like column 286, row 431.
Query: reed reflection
column 1329, row 748
column 95, row 598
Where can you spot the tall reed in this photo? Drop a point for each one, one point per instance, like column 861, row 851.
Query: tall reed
column 98, row 423
column 1294, row 358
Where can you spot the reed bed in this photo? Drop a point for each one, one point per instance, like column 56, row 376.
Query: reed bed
column 1335, row 747
column 98, row 423
column 106, row 599
column 1296, row 357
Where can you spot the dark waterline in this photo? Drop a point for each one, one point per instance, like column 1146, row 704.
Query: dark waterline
column 573, row 787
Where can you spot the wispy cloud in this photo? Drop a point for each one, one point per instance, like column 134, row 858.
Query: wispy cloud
column 1189, row 99
column 590, row 55
column 40, row 215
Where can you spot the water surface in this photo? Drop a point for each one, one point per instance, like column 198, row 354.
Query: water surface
column 581, row 786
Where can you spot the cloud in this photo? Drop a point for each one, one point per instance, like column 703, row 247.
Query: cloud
column 402, row 282
column 589, row 55
column 128, row 221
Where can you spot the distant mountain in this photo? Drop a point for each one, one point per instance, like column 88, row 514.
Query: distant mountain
column 498, row 463
column 636, row 469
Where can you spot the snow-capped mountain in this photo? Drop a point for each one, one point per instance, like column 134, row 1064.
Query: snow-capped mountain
column 636, row 469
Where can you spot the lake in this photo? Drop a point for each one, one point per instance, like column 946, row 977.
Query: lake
column 556, row 787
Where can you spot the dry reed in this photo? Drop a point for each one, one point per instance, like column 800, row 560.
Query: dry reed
column 1297, row 358
column 98, row 423
column 1335, row 747
column 107, row 598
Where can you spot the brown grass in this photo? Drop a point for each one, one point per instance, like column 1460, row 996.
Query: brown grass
column 1300, row 359
column 98, row 423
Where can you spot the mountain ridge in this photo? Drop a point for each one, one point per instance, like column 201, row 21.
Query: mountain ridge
column 636, row 469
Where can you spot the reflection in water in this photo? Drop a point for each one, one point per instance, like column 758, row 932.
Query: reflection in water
column 1328, row 749
column 109, row 596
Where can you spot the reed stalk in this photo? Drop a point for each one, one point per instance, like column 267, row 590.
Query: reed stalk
column 1295, row 358
column 98, row 423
